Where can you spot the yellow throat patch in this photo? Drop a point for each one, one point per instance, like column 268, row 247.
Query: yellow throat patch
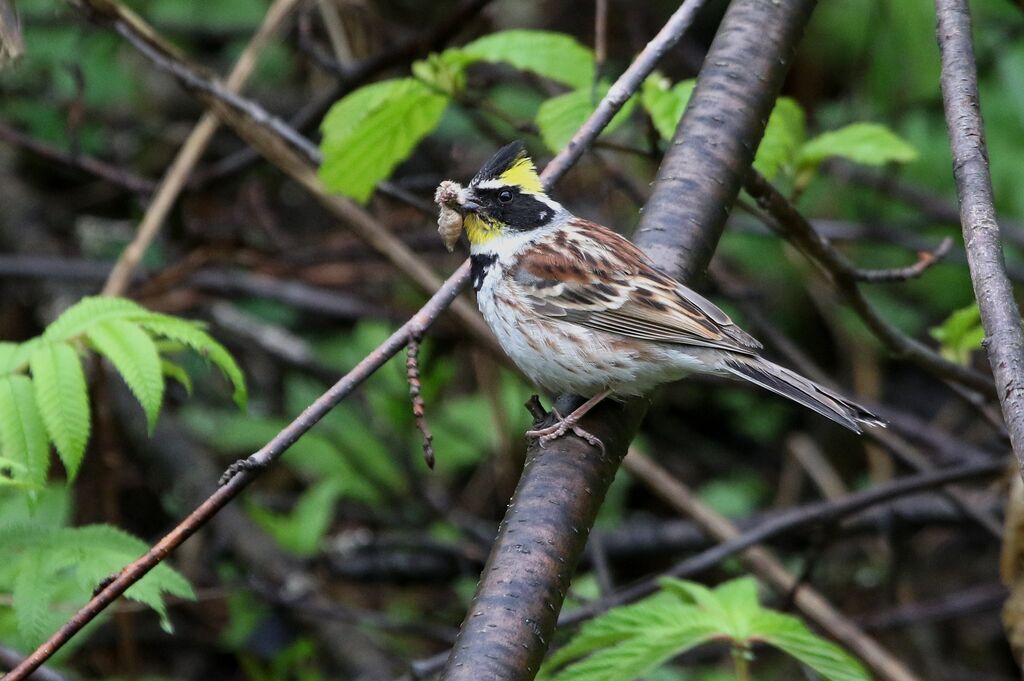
column 478, row 230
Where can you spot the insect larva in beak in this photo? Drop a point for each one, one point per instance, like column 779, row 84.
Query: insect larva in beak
column 449, row 220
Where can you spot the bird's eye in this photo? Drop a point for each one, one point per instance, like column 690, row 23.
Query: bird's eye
column 505, row 196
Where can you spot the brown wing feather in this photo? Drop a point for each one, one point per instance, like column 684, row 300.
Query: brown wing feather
column 589, row 275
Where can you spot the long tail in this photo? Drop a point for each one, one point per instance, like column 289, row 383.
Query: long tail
column 782, row 381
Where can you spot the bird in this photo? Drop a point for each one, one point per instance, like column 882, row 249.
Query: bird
column 581, row 309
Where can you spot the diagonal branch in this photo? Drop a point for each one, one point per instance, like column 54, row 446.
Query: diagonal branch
column 1004, row 339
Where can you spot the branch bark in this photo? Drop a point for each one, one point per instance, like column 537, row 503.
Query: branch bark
column 509, row 625
column 1004, row 339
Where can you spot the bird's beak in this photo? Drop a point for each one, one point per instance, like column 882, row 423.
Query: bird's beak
column 466, row 202
column 469, row 206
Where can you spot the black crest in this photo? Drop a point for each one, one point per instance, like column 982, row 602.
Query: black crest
column 502, row 160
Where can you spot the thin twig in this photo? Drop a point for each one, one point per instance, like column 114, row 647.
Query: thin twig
column 624, row 87
column 189, row 154
column 1004, row 338
column 94, row 166
column 412, row 375
column 787, row 220
column 925, row 259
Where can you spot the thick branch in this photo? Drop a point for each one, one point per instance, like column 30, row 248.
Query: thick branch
column 1004, row 339
column 509, row 625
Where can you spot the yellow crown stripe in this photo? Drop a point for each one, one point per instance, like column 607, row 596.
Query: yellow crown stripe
column 523, row 174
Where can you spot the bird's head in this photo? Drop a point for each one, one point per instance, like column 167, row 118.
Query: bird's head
column 506, row 197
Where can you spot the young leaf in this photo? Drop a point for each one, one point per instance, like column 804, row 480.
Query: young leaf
column 866, row 143
column 133, row 354
column 63, row 401
column 960, row 334
column 560, row 117
column 191, row 334
column 369, row 132
column 664, row 105
column 88, row 312
column 782, row 138
column 553, row 55
column 22, row 435
column 789, row 634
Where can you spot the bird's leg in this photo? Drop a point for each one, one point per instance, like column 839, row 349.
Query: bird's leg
column 568, row 423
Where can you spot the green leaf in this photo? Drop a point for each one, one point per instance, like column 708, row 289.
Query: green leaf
column 90, row 311
column 7, row 351
column 133, row 354
column 369, row 132
column 22, row 434
column 626, row 642
column 178, row 373
column 961, row 334
column 66, row 564
column 301, row 531
column 192, row 335
column 665, row 105
column 789, row 634
column 553, row 55
column 782, row 138
column 63, row 401
column 32, row 593
column 560, row 117
column 866, row 143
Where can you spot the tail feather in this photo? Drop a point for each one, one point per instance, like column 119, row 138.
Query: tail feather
column 782, row 381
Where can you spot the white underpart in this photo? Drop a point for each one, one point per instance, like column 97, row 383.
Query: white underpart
column 566, row 357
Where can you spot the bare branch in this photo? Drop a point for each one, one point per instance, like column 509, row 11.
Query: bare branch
column 189, row 154
column 1004, row 338
column 795, row 226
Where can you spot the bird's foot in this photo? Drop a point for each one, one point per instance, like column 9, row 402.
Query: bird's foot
column 561, row 427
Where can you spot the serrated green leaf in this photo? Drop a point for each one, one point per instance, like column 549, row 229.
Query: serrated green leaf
column 133, row 354
column 666, row 105
column 90, row 311
column 178, row 373
column 560, row 117
column 870, row 144
column 782, row 138
column 32, row 594
column 98, row 551
column 22, row 434
column 63, row 401
column 192, row 335
column 70, row 562
column 556, row 56
column 625, row 642
column 792, row 636
column 372, row 130
column 18, row 358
